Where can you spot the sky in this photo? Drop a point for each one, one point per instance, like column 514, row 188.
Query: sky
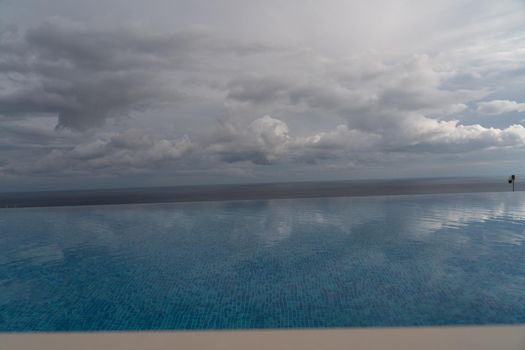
column 100, row 94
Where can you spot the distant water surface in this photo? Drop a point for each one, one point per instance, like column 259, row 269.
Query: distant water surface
column 423, row 260
column 256, row 191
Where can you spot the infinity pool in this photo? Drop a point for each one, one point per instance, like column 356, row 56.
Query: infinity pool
column 335, row 262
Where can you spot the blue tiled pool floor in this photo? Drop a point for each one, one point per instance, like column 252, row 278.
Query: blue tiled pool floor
column 335, row 262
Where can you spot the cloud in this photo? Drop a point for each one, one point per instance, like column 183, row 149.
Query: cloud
column 435, row 136
column 389, row 106
column 119, row 153
column 85, row 75
column 268, row 141
column 496, row 107
column 122, row 97
column 370, row 91
column 382, row 107
column 260, row 142
column 269, row 132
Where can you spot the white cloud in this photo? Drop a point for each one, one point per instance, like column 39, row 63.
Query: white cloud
column 454, row 109
column 496, row 107
column 269, row 132
column 452, row 136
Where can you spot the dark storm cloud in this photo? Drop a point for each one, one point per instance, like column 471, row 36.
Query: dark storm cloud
column 259, row 90
column 86, row 76
column 126, row 48
column 29, row 134
column 119, row 153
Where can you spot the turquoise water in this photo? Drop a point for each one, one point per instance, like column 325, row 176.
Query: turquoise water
column 335, row 262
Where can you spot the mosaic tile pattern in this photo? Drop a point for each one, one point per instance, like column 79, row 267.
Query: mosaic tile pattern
column 339, row 262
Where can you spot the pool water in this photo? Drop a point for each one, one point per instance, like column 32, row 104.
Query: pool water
column 456, row 259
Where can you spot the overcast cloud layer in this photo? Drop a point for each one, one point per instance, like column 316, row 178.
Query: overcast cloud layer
column 184, row 92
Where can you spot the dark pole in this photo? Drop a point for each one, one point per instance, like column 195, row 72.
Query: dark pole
column 512, row 180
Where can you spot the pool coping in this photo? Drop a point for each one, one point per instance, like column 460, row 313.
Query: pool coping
column 428, row 338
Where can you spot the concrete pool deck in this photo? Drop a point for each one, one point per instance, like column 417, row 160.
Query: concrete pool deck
column 428, row 338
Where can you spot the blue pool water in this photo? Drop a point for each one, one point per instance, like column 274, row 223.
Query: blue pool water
column 335, row 262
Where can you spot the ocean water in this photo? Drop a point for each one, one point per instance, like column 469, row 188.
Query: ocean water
column 419, row 260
